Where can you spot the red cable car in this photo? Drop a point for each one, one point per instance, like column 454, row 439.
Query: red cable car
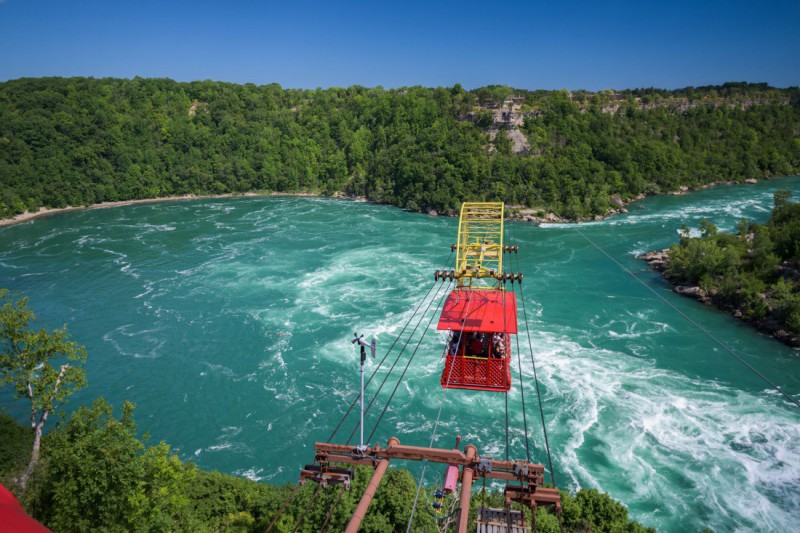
column 479, row 313
column 478, row 352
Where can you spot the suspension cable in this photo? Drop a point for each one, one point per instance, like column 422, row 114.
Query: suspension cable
column 678, row 311
column 330, row 511
column 302, row 516
column 397, row 359
column 535, row 376
column 353, row 403
column 507, row 446
column 538, row 393
column 400, row 379
column 283, row 507
column 522, row 393
column 441, row 406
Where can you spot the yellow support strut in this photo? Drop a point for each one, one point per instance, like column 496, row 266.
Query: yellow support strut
column 479, row 251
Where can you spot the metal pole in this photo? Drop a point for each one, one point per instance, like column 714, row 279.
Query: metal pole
column 362, row 344
column 369, row 493
column 361, row 425
column 466, row 489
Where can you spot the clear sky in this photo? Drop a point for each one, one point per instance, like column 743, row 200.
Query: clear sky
column 555, row 44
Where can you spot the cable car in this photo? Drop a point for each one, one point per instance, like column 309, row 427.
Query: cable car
column 479, row 313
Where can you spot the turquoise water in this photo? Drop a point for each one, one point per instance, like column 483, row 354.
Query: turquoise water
column 228, row 322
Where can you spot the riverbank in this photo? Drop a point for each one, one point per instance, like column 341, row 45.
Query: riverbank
column 513, row 212
column 45, row 211
column 770, row 325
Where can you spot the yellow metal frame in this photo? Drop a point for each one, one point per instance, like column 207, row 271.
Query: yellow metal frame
column 479, row 251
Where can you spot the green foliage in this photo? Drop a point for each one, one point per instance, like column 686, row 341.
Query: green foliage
column 100, row 476
column 27, row 359
column 97, row 475
column 590, row 510
column 15, row 448
column 78, row 141
column 756, row 271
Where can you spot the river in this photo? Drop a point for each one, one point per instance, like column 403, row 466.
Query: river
column 228, row 322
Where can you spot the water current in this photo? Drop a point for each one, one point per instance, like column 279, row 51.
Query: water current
column 228, row 323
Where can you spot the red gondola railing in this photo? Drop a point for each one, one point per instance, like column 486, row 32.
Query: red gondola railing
column 476, row 373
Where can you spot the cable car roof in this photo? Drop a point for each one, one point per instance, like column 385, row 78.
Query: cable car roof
column 480, row 310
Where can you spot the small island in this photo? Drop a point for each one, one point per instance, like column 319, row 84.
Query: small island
column 754, row 274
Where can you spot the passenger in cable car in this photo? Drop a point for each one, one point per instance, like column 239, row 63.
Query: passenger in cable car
column 454, row 343
column 476, row 345
column 498, row 345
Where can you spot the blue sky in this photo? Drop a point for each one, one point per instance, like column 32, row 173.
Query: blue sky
column 307, row 44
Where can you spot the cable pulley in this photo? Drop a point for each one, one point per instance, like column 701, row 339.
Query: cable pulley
column 510, row 276
column 444, row 274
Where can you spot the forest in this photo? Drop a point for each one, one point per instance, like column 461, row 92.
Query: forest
column 80, row 141
column 754, row 273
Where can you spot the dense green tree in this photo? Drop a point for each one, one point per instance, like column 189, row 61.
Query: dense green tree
column 77, row 141
column 753, row 272
column 42, row 366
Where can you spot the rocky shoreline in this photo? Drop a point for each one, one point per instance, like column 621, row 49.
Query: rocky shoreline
column 770, row 325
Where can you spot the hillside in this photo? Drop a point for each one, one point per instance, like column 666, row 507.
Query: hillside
column 79, row 141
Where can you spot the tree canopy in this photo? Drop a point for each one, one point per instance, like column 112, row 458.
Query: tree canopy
column 42, row 366
column 79, row 141
column 755, row 272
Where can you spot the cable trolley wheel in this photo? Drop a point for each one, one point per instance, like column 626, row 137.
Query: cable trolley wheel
column 436, row 276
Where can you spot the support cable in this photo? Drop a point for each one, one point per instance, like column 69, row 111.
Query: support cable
column 353, row 403
column 302, row 516
column 535, row 376
column 507, row 428
column 410, row 359
column 441, row 406
column 330, row 511
column 522, row 393
column 536, row 380
column 283, row 508
column 397, row 359
column 678, row 311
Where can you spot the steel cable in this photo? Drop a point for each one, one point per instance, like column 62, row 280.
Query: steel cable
column 410, row 359
column 397, row 359
column 353, row 403
column 441, row 406
column 310, row 503
column 330, row 511
column 678, row 311
column 283, row 508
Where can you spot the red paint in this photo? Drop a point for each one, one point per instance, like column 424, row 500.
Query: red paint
column 479, row 310
column 13, row 517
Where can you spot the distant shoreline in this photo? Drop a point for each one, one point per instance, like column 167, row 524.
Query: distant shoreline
column 524, row 215
column 45, row 211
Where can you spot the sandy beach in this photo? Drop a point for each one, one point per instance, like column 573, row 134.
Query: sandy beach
column 44, row 211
